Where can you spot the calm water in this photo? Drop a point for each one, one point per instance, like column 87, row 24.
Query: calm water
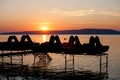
column 82, row 62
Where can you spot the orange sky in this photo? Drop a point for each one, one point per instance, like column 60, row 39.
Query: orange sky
column 24, row 15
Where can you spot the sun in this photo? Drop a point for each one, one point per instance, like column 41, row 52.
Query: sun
column 44, row 28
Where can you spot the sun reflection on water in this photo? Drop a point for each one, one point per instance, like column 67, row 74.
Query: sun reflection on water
column 44, row 38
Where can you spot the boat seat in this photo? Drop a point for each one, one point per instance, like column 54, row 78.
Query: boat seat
column 12, row 39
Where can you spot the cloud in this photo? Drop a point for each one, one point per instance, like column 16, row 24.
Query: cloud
column 82, row 12
column 68, row 12
column 110, row 13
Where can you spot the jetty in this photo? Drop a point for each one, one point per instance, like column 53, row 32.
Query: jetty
column 55, row 45
column 12, row 47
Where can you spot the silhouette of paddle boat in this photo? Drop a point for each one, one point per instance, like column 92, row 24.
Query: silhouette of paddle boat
column 74, row 46
column 13, row 44
column 54, row 45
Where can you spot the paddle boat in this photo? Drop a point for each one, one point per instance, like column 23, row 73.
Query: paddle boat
column 13, row 44
column 73, row 46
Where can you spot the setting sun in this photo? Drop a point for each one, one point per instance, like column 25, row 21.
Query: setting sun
column 44, row 28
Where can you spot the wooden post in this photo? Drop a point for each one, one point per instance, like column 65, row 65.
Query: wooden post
column 65, row 62
column 11, row 59
column 106, row 65
column 100, row 64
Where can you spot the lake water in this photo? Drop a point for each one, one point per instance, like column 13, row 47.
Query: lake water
column 82, row 62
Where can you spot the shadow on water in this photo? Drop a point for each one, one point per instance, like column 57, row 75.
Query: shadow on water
column 39, row 70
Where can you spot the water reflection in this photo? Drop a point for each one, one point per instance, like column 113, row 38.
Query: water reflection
column 44, row 38
column 43, row 60
column 41, row 70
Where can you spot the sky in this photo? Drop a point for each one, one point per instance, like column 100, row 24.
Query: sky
column 26, row 15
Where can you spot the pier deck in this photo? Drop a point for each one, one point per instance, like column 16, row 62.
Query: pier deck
column 19, row 49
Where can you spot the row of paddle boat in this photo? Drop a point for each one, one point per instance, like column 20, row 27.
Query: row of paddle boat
column 73, row 46
column 13, row 44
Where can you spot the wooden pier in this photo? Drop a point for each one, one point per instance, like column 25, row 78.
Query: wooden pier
column 19, row 49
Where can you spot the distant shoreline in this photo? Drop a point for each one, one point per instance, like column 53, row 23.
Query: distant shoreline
column 66, row 32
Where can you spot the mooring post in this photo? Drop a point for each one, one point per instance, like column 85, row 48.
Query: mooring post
column 11, row 59
column 2, row 56
column 73, row 65
column 34, row 59
column 100, row 64
column 107, row 65
column 22, row 60
column 73, row 61
column 65, row 62
column 2, row 61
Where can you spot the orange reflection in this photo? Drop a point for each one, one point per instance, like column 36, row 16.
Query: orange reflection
column 44, row 38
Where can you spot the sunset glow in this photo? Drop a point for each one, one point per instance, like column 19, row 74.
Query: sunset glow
column 58, row 15
column 44, row 28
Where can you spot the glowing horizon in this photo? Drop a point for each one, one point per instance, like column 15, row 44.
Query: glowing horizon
column 25, row 15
